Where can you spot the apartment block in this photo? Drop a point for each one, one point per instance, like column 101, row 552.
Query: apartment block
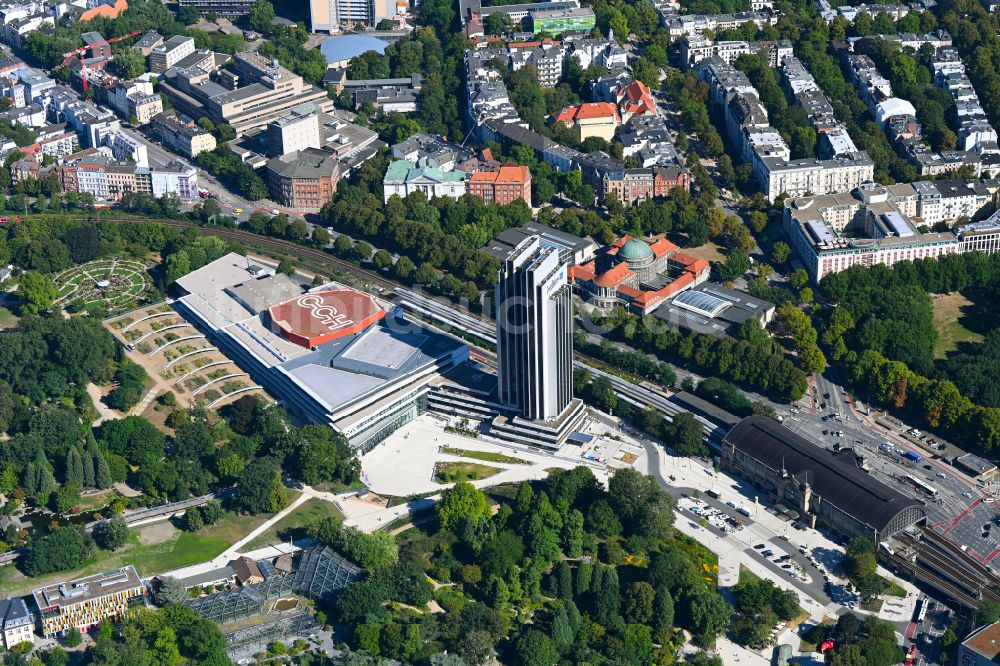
column 799, row 177
column 696, row 48
column 124, row 147
column 648, row 141
column 876, row 224
column 545, row 56
column 982, row 236
column 697, row 24
column 748, row 127
column 111, row 179
column 182, row 136
column 598, row 52
column 144, row 107
column 59, row 143
column 175, row 177
column 636, row 185
column 164, row 56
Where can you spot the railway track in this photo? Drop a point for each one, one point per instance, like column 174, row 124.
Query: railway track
column 958, row 577
column 285, row 247
column 641, row 396
column 949, row 548
column 932, row 580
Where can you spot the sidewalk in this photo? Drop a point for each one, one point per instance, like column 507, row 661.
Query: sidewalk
column 764, row 527
column 232, row 552
column 404, row 464
column 104, row 413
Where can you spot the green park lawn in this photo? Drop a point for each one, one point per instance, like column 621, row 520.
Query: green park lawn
column 7, row 318
column 152, row 549
column 453, row 472
column 953, row 314
column 487, row 456
column 179, row 550
column 293, row 525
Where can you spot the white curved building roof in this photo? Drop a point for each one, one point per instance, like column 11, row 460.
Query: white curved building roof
column 893, row 106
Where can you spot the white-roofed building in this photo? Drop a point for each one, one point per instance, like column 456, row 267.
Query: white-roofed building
column 893, row 106
column 332, row 354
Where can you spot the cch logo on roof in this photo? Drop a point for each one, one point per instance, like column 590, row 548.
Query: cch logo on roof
column 327, row 314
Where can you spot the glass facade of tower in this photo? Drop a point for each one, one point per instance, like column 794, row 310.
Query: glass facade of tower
column 535, row 331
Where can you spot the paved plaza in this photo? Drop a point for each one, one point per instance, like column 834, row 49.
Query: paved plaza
column 404, row 463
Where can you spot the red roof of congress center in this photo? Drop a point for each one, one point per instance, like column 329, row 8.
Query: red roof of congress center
column 320, row 316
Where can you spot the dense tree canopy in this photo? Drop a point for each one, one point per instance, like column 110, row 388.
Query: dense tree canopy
column 883, row 331
column 64, row 548
column 520, row 586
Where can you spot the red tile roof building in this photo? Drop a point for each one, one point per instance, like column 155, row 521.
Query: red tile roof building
column 501, row 186
column 637, row 274
column 474, row 27
column 634, row 99
column 598, row 119
column 106, row 9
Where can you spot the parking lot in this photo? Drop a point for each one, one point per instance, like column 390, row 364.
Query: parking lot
column 976, row 529
column 715, row 517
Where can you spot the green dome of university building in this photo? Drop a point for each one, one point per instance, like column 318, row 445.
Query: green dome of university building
column 635, row 251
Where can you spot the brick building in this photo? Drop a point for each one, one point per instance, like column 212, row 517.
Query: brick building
column 636, row 185
column 303, row 179
column 502, row 186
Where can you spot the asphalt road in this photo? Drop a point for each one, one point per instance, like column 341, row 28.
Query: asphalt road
column 229, row 201
column 742, row 540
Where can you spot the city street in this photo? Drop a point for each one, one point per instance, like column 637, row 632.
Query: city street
column 685, row 476
column 955, row 509
column 229, row 201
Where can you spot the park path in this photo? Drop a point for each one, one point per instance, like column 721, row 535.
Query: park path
column 234, row 550
column 146, row 399
column 104, row 413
